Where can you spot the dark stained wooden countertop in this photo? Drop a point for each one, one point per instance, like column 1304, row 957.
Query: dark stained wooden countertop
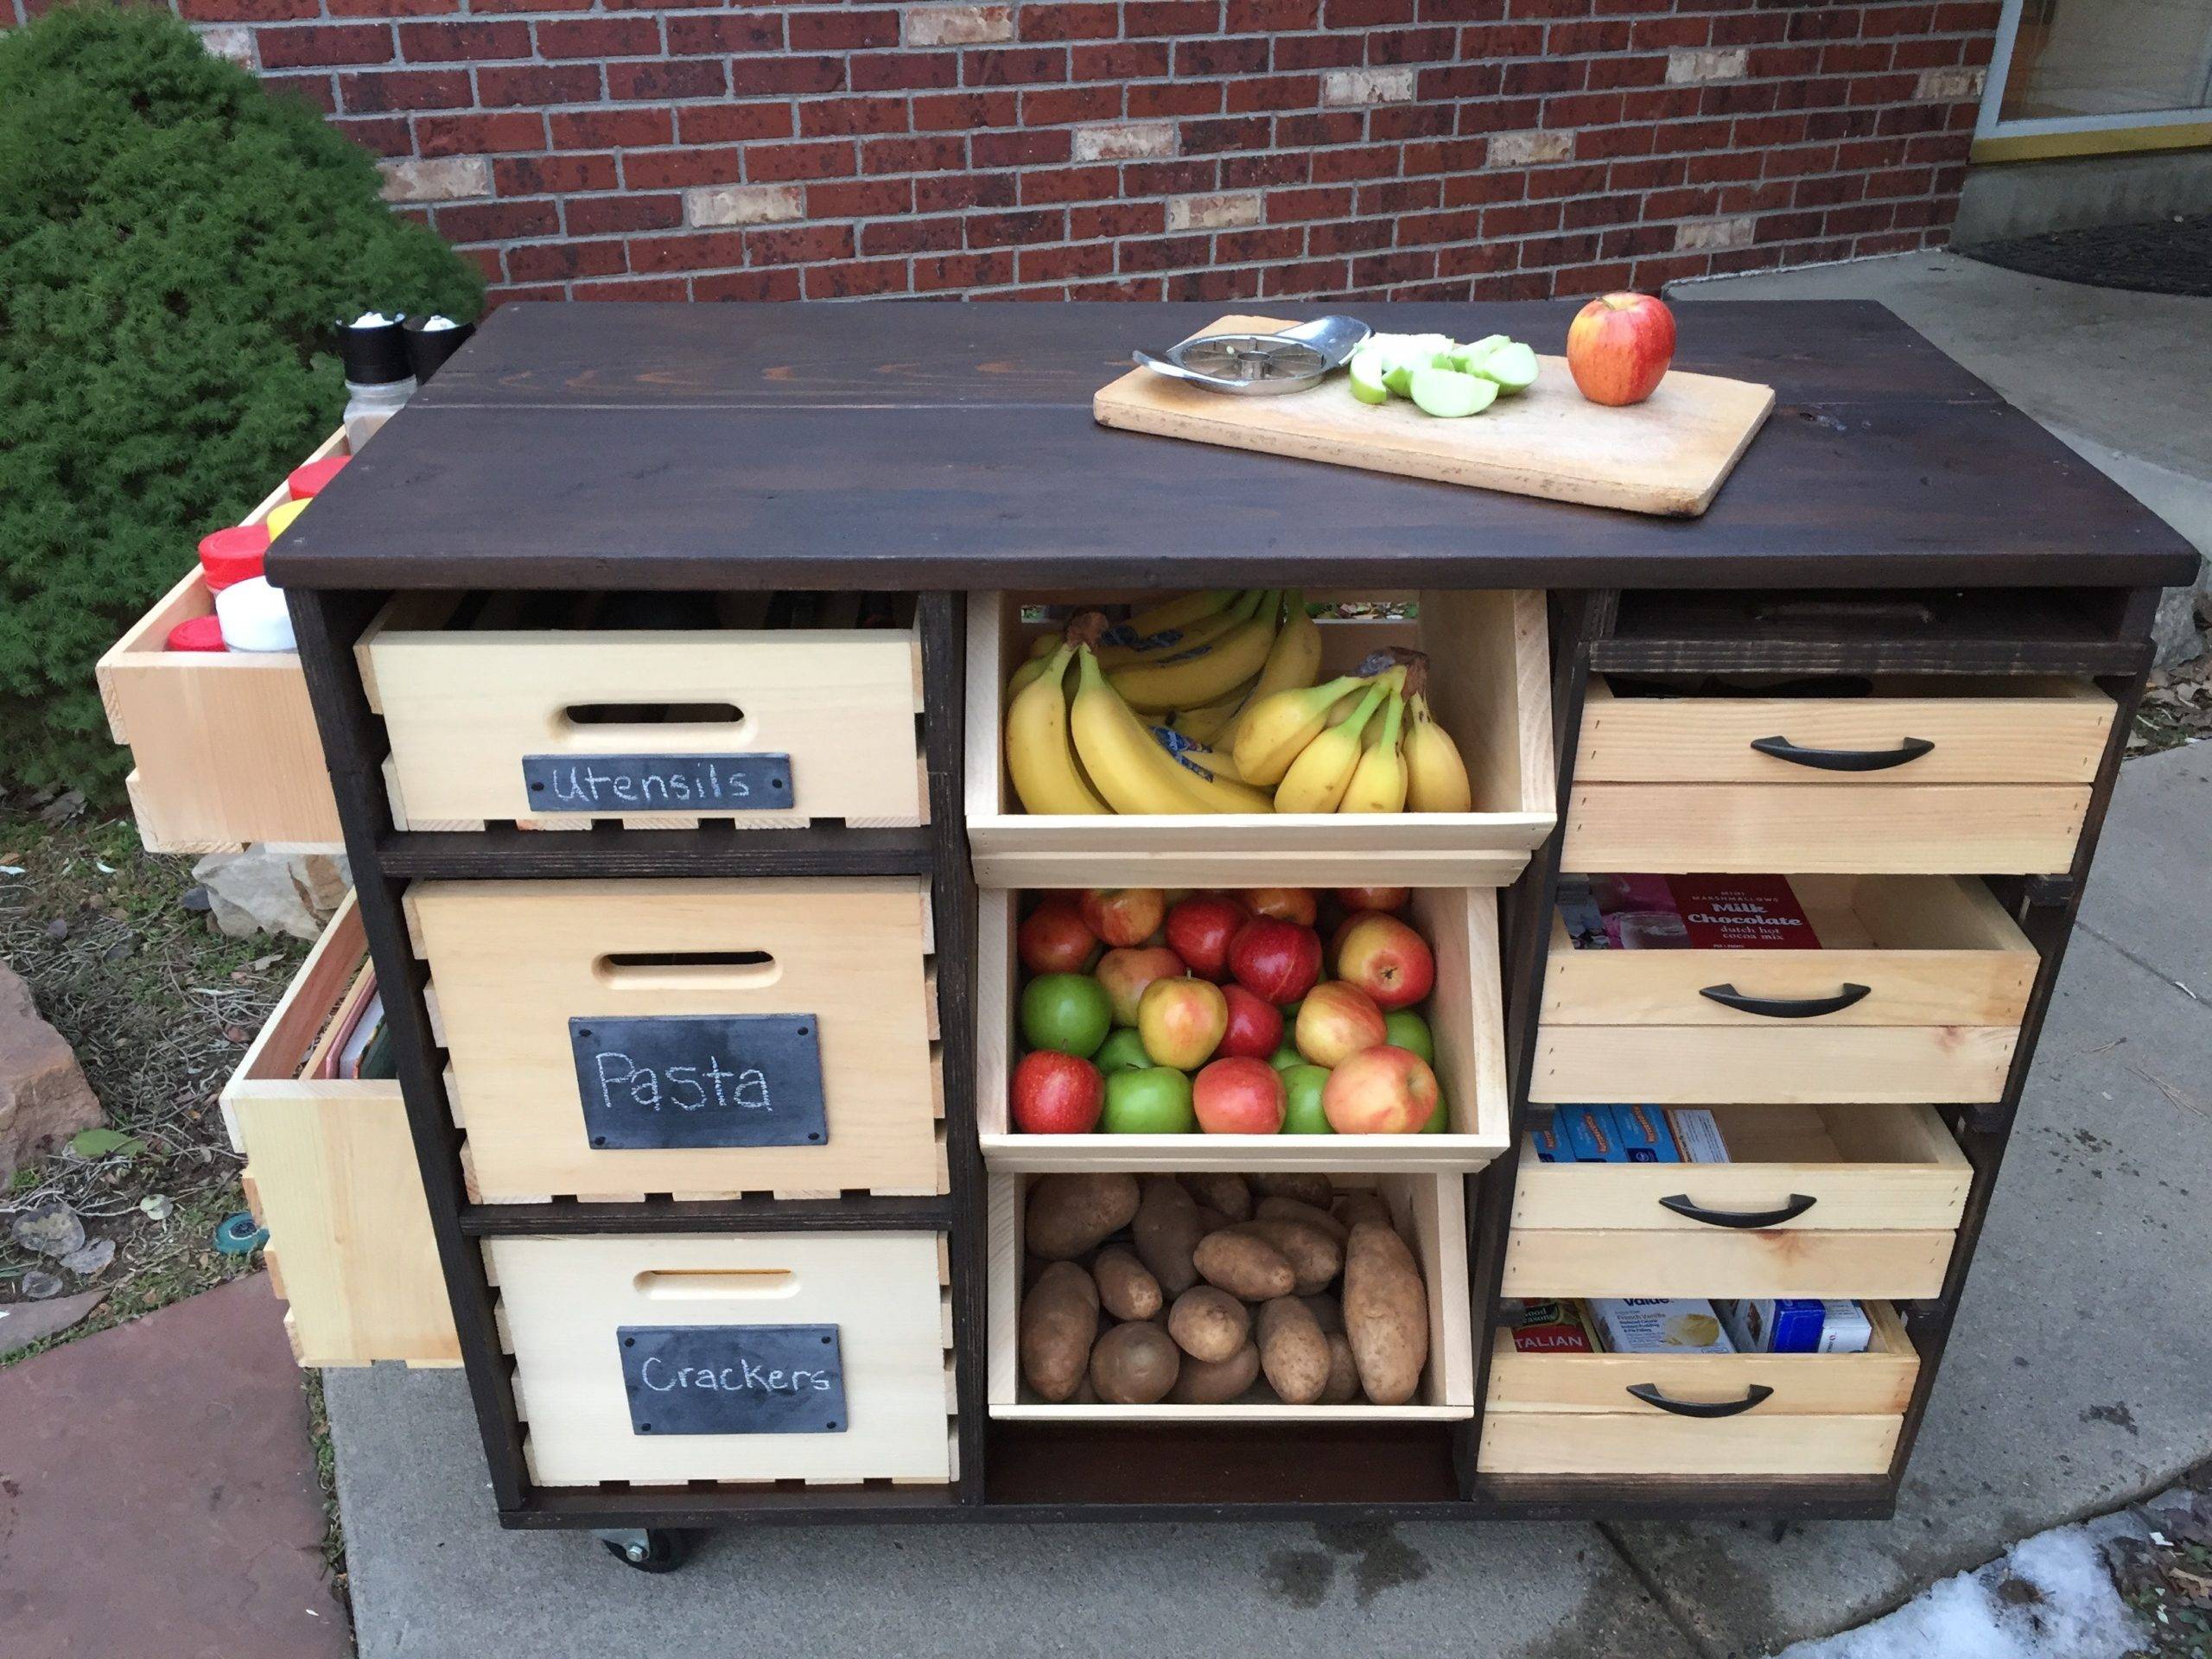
column 915, row 444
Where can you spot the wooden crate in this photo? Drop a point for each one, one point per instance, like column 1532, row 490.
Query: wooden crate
column 1431, row 1213
column 562, row 1302
column 467, row 694
column 1673, row 784
column 223, row 744
column 512, row 961
column 1888, row 1183
column 1572, row 1414
column 1490, row 683
column 1947, row 972
column 1466, row 1018
column 330, row 1173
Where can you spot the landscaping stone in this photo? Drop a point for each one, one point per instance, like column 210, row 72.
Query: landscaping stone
column 44, row 1098
column 22, row 1324
column 263, row 891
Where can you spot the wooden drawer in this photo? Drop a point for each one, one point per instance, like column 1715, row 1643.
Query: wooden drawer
column 1466, row 1019
column 223, row 745
column 1489, row 682
column 1942, row 973
column 1431, row 1214
column 1819, row 1413
column 1886, row 1185
column 525, row 973
column 1678, row 784
column 490, row 719
column 330, row 1172
column 878, row 1301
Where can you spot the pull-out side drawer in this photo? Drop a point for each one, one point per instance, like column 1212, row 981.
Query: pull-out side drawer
column 1916, row 995
column 330, row 1173
column 736, row 1356
column 651, row 727
column 1618, row 1413
column 703, row 1038
column 1937, row 776
column 223, row 744
column 1843, row 1200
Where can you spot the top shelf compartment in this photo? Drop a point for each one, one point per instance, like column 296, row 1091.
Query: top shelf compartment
column 1489, row 682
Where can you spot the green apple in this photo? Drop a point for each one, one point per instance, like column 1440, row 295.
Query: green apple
column 1399, row 378
column 1123, row 1050
column 1154, row 1101
column 1367, row 371
column 1287, row 1056
column 1438, row 1120
column 1402, row 1028
column 1301, row 1112
column 1448, row 394
column 1465, row 358
column 1512, row 365
column 1066, row 1012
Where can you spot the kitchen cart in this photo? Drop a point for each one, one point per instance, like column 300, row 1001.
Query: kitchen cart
column 503, row 591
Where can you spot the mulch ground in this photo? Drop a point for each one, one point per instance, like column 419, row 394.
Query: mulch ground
column 2167, row 256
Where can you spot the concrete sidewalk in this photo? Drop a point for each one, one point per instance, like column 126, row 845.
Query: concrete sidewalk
column 2076, row 1380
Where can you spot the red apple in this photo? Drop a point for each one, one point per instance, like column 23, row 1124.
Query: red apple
column 1199, row 930
column 1056, row 1094
column 1055, row 939
column 1618, row 347
column 1238, row 1096
column 1284, row 904
column 1276, row 961
column 1380, row 1091
column 1181, row 1021
column 1125, row 972
column 1123, row 916
column 1336, row 1021
column 1358, row 899
column 1387, row 959
column 1255, row 1025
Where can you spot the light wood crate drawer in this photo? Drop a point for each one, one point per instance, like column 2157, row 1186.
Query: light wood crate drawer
column 1947, row 776
column 1802, row 1414
column 1431, row 1215
column 528, row 976
column 1918, row 994
column 1466, row 1018
column 330, row 1172
column 1490, row 687
column 223, row 745
column 880, row 1299
column 559, row 727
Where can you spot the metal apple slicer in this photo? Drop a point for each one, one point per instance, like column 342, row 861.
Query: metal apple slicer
column 1261, row 366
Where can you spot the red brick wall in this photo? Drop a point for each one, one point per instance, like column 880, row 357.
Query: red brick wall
column 1203, row 149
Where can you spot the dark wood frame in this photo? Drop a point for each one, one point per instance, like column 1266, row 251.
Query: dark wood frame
column 1028, row 1472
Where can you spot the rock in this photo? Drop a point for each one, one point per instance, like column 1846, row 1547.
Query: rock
column 41, row 1286
column 259, row 891
column 24, row 1323
column 57, row 930
column 93, row 1259
column 51, row 1228
column 44, row 1098
column 195, row 898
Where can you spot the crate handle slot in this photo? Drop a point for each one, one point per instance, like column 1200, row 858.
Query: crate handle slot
column 680, row 971
column 653, row 713
column 717, row 1284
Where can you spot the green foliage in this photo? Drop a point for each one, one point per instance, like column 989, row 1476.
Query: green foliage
column 174, row 248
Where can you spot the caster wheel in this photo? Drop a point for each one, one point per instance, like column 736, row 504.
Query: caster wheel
column 652, row 1551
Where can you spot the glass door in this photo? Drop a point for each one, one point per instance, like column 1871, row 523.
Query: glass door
column 2081, row 77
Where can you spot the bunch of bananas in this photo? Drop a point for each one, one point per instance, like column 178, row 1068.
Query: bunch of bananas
column 1208, row 702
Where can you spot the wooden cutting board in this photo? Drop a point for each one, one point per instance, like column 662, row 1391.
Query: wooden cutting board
column 1668, row 454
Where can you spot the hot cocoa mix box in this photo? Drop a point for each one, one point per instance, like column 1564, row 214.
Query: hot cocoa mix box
column 1742, row 913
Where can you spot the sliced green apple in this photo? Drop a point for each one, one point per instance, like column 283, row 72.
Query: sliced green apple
column 1367, row 371
column 1468, row 359
column 1399, row 378
column 1448, row 394
column 1512, row 365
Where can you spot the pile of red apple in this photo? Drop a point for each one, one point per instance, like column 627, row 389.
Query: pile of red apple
column 1223, row 1013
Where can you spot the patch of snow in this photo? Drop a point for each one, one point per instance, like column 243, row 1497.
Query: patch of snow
column 2068, row 1609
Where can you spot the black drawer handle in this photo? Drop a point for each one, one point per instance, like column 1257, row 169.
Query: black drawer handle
column 1787, row 1007
column 1753, row 1393
column 1748, row 1220
column 1782, row 748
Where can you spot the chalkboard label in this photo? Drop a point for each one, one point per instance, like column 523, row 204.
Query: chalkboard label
column 701, row 1080
column 609, row 784
column 734, row 1379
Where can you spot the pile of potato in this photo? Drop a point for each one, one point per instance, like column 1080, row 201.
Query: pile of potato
column 1223, row 1280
